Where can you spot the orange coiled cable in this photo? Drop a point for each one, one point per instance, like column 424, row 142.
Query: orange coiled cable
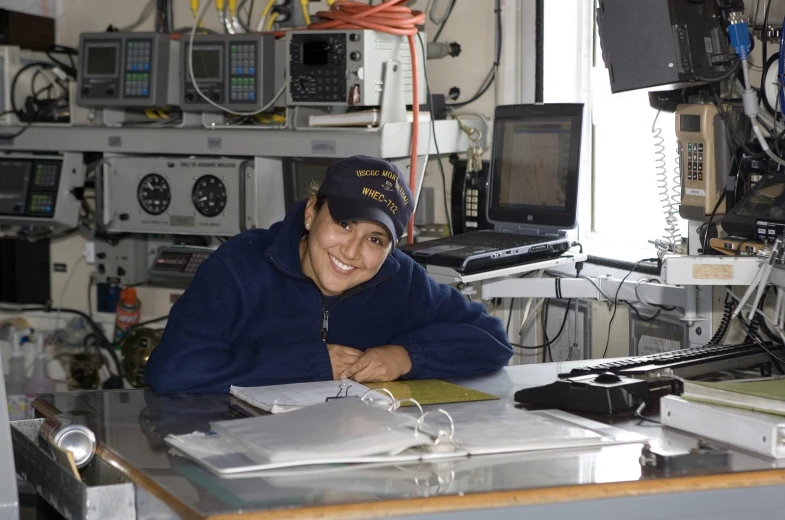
column 391, row 17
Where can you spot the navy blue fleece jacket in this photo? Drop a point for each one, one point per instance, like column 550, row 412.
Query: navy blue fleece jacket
column 250, row 317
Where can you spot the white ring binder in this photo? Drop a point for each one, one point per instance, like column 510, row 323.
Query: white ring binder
column 442, row 437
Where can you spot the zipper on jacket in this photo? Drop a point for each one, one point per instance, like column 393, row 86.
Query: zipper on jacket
column 325, row 316
column 352, row 292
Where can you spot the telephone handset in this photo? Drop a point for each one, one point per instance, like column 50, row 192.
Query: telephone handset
column 469, row 198
column 704, row 158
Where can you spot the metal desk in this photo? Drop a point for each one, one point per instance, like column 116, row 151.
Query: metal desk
column 578, row 483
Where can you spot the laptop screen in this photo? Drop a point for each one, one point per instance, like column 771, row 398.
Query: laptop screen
column 534, row 165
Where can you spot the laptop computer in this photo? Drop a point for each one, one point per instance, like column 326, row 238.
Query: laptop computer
column 532, row 192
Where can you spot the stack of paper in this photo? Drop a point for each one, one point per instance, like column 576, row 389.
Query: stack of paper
column 287, row 398
column 762, row 395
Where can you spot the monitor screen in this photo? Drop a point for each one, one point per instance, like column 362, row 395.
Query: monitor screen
column 690, row 123
column 207, row 63
column 301, row 176
column 101, row 60
column 13, row 176
column 534, row 171
column 534, row 167
column 316, row 53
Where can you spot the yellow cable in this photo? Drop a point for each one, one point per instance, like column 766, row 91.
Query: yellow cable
column 195, row 11
column 271, row 21
column 266, row 10
column 219, row 5
column 330, row 3
column 232, row 8
column 306, row 15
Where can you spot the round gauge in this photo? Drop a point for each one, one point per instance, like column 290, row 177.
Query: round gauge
column 770, row 87
column 209, row 195
column 153, row 194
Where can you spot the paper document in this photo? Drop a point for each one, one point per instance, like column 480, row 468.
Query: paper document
column 286, row 398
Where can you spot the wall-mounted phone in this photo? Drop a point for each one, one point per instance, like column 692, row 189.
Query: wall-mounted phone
column 704, row 157
column 469, row 198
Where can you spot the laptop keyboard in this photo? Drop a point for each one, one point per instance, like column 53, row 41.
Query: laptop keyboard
column 495, row 239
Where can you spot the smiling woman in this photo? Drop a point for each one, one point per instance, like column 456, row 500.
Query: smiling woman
column 324, row 294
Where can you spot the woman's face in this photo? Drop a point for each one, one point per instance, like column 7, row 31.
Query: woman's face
column 340, row 255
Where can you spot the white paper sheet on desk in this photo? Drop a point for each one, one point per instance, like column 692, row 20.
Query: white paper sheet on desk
column 287, row 398
column 337, row 430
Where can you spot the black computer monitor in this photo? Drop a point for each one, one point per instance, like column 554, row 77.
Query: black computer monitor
column 534, row 165
column 300, row 174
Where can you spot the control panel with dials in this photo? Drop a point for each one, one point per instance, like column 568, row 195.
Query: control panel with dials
column 180, row 195
column 347, row 67
column 39, row 189
column 188, row 195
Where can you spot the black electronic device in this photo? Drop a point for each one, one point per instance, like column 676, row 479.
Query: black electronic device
column 347, row 67
column 180, row 262
column 469, row 198
column 661, row 42
column 128, row 70
column 752, row 165
column 532, row 192
column 26, row 30
column 300, row 174
column 232, row 70
column 760, row 214
column 25, row 271
column 688, row 362
column 604, row 393
column 29, row 187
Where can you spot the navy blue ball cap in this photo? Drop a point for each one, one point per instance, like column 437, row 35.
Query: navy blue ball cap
column 367, row 188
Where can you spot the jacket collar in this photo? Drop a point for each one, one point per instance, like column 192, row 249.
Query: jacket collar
column 284, row 252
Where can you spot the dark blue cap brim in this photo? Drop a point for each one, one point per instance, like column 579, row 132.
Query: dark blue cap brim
column 345, row 210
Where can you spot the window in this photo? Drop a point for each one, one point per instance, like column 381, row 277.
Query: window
column 622, row 196
column 634, row 167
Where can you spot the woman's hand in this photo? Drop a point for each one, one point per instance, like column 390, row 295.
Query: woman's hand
column 379, row 364
column 341, row 358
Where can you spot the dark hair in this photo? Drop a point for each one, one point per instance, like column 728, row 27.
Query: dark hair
column 320, row 200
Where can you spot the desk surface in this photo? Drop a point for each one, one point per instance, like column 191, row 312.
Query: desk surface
column 132, row 424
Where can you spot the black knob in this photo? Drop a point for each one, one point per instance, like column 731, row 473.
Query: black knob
column 120, row 271
column 216, row 97
column 100, row 256
column 17, row 208
column 110, row 90
column 124, row 216
column 354, row 37
column 355, row 56
column 189, row 97
column 101, row 268
column 85, row 91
